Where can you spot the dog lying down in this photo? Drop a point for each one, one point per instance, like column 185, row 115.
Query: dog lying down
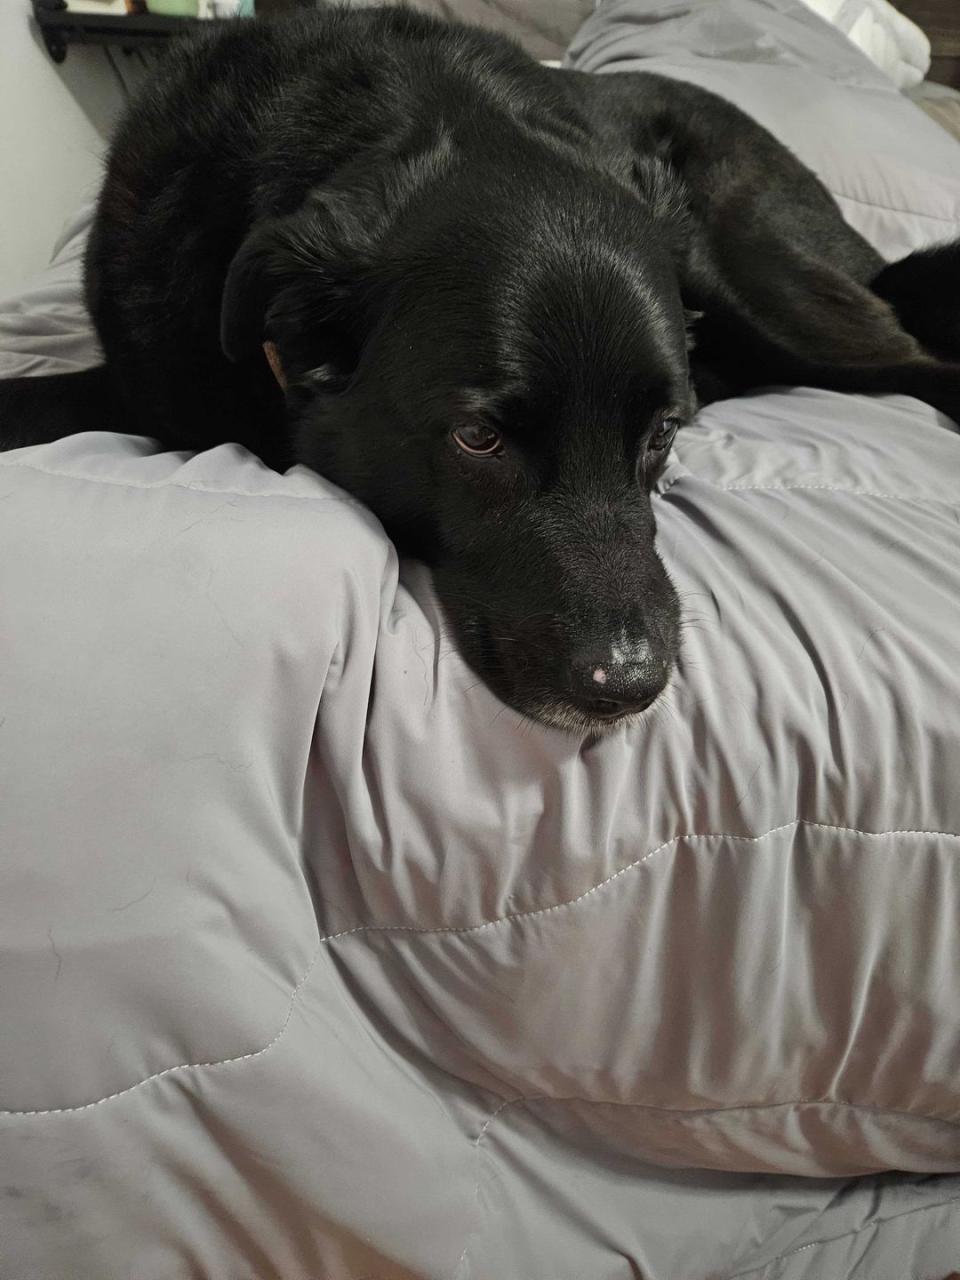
column 482, row 296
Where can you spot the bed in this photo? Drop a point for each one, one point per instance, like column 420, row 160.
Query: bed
column 319, row 964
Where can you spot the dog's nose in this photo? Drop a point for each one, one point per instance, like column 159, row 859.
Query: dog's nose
column 608, row 683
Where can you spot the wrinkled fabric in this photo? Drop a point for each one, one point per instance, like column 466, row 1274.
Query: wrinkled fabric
column 317, row 962
column 44, row 327
column 890, row 40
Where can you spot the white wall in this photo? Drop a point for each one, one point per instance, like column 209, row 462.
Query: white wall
column 54, row 122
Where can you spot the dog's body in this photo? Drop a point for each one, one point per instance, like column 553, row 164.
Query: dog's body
column 473, row 277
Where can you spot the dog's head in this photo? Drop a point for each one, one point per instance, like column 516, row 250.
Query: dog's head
column 494, row 359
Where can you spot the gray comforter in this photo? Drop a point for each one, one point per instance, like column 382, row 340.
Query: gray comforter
column 316, row 963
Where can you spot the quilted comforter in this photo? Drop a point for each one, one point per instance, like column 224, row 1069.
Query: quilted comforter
column 317, row 963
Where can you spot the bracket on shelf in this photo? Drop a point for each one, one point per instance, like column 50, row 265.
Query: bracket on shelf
column 61, row 27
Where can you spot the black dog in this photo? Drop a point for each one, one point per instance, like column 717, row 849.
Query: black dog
column 460, row 285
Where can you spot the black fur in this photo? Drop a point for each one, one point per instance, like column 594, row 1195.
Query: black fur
column 437, row 235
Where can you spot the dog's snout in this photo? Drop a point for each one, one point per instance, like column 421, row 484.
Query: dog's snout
column 612, row 682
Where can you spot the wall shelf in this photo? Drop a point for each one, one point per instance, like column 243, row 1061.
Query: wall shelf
column 61, row 27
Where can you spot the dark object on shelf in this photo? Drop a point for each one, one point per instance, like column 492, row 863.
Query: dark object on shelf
column 284, row 6
column 61, row 27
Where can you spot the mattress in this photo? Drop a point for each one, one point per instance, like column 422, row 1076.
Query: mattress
column 319, row 963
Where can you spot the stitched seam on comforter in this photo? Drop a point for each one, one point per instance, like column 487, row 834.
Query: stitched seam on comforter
column 466, row 929
column 346, row 502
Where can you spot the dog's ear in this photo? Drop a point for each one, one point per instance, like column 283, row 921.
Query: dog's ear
column 295, row 285
column 306, row 283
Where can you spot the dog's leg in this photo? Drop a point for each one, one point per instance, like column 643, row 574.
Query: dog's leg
column 36, row 410
column 776, row 314
column 733, row 359
column 790, row 292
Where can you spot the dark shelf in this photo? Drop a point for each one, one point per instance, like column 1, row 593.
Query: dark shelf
column 60, row 27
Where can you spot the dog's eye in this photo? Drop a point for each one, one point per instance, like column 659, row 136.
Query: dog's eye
column 662, row 437
column 479, row 440
column 659, row 441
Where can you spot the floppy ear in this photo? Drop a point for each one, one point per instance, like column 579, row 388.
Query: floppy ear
column 295, row 284
column 303, row 281
column 256, row 273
